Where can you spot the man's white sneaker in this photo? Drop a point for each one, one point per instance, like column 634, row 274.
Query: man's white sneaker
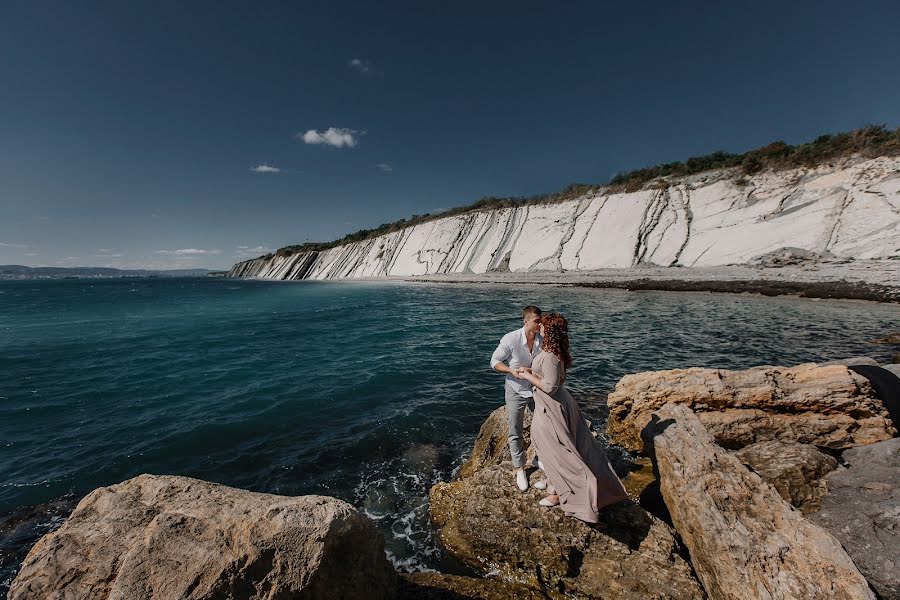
column 521, row 481
column 540, row 485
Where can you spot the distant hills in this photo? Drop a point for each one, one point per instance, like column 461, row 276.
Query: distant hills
column 22, row 272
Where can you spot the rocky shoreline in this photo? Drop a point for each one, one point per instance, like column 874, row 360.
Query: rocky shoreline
column 771, row 482
column 873, row 280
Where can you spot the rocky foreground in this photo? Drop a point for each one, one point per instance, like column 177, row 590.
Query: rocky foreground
column 768, row 483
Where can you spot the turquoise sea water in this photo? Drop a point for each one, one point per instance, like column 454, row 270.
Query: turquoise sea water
column 370, row 392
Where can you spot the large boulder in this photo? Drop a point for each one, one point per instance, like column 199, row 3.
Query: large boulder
column 176, row 537
column 862, row 510
column 745, row 541
column 795, row 470
column 830, row 407
column 491, row 446
column 491, row 526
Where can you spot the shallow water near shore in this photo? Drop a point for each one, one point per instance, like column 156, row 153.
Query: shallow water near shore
column 370, row 392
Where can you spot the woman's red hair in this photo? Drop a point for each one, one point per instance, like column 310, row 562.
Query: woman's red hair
column 556, row 337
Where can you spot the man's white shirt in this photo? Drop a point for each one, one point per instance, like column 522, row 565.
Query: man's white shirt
column 513, row 350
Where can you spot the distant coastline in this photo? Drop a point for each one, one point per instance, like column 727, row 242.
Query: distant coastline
column 21, row 272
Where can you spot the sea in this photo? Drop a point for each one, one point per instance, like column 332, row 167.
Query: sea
column 368, row 391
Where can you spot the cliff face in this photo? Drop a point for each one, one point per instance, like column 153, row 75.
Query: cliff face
column 716, row 218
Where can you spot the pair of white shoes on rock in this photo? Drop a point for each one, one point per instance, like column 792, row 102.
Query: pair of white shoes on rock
column 522, row 479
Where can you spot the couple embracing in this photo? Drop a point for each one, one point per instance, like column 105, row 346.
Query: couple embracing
column 535, row 359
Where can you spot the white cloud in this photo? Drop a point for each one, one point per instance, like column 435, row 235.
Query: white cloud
column 31, row 254
column 247, row 251
column 264, row 168
column 337, row 138
column 361, row 65
column 188, row 252
column 385, row 168
column 11, row 245
column 108, row 255
column 154, row 216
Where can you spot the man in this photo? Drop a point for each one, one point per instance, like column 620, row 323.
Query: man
column 516, row 351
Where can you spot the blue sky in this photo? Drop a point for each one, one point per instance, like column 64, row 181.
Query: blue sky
column 147, row 134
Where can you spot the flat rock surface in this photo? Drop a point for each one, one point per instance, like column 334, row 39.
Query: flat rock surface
column 175, row 537
column 862, row 510
column 830, row 407
column 488, row 524
column 745, row 541
column 795, row 470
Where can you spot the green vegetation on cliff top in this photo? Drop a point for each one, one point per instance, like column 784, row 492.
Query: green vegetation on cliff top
column 868, row 142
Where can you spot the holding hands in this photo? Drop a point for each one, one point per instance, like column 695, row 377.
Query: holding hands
column 523, row 373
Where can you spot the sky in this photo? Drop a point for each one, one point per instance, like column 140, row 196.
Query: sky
column 197, row 134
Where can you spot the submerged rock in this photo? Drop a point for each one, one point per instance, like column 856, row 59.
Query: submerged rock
column 862, row 510
column 488, row 524
column 830, row 407
column 177, row 537
column 745, row 541
column 794, row 470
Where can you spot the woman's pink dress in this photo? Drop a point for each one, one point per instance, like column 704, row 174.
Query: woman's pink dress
column 575, row 464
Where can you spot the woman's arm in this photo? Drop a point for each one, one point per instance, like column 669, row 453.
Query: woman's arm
column 549, row 383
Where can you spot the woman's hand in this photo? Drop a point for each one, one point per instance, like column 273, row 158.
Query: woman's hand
column 526, row 374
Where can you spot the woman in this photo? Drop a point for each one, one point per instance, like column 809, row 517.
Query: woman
column 580, row 476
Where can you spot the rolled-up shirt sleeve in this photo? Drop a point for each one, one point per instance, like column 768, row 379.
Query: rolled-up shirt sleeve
column 502, row 353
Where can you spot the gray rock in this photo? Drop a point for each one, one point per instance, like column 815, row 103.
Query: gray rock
column 795, row 470
column 745, row 542
column 853, row 360
column 787, row 256
column 862, row 509
column 174, row 537
column 895, row 369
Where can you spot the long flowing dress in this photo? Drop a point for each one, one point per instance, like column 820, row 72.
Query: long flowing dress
column 575, row 464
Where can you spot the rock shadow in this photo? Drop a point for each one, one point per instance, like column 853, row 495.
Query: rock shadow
column 625, row 522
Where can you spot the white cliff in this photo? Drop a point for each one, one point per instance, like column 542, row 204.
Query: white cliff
column 715, row 218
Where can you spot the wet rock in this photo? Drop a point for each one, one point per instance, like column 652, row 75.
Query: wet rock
column 438, row 586
column 488, row 524
column 795, row 470
column 830, row 407
column 862, row 510
column 745, row 542
column 176, row 537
